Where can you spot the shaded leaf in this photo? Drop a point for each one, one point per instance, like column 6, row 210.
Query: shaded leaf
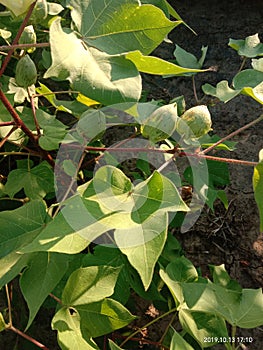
column 42, row 275
column 178, row 342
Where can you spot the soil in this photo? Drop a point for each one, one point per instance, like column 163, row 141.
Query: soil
column 229, row 237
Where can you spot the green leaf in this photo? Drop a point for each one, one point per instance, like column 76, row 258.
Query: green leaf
column 67, row 323
column 104, row 78
column 53, row 130
column 112, row 256
column 242, row 309
column 120, row 27
column 250, row 47
column 103, row 317
column 222, row 91
column 21, row 226
column 36, row 182
column 89, row 285
column 201, row 325
column 114, row 346
column 11, row 265
column 178, row 342
column 256, row 93
column 143, row 257
column 158, row 66
column 258, row 190
column 247, row 78
column 207, row 141
column 186, row 59
column 42, row 275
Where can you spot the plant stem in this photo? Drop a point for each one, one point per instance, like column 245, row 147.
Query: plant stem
column 194, row 89
column 233, row 134
column 7, row 135
column 9, row 305
column 7, row 123
column 218, row 159
column 32, row 340
column 20, row 31
column 22, row 46
column 233, row 334
column 147, row 325
column 20, row 124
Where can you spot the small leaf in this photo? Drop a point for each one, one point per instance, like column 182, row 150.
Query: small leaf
column 155, row 65
column 222, row 91
column 188, row 60
column 36, row 182
column 53, row 130
column 114, row 346
column 3, row 325
column 250, row 47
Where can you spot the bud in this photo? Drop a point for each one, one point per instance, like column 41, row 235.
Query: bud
column 26, row 72
column 161, row 123
column 28, row 37
column 195, row 122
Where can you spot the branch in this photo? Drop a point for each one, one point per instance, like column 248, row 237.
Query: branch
column 18, row 35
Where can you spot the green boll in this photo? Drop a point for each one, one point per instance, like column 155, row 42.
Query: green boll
column 28, row 37
column 26, row 72
column 161, row 123
column 195, row 122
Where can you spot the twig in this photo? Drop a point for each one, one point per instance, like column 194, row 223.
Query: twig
column 7, row 135
column 18, row 35
column 20, row 124
column 233, row 134
column 32, row 340
column 22, row 46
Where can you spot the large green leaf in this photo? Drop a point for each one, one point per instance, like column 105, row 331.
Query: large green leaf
column 258, row 190
column 247, row 78
column 114, row 346
column 42, row 275
column 151, row 235
column 242, row 309
column 90, row 284
column 97, row 75
column 117, row 27
column 36, row 182
column 103, row 317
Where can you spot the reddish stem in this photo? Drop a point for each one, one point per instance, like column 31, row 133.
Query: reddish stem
column 55, row 298
column 32, row 340
column 7, row 123
column 20, row 124
column 22, row 46
column 18, row 35
column 7, row 135
column 218, row 159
